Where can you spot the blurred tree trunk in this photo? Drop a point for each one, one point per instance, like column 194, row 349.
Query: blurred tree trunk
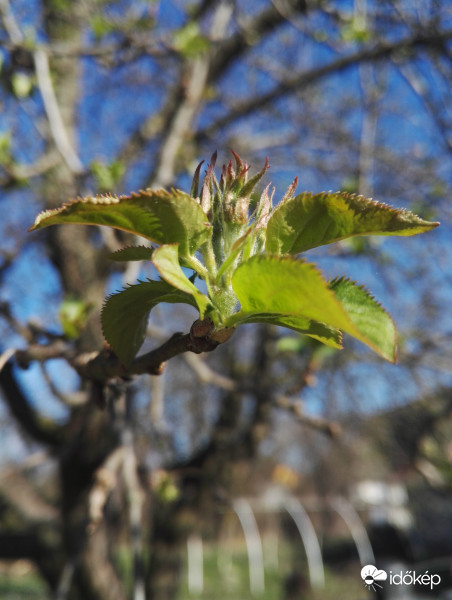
column 208, row 477
column 91, row 436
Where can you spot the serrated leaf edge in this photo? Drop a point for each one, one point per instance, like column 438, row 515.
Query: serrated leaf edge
column 371, row 296
column 360, row 337
column 106, row 199
column 111, row 255
column 347, row 195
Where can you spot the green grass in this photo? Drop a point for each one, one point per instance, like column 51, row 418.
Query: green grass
column 226, row 577
column 23, row 587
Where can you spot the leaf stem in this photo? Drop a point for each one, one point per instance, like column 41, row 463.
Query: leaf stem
column 193, row 263
column 208, row 256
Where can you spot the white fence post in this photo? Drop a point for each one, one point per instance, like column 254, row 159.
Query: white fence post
column 357, row 530
column 310, row 542
column 253, row 545
column 195, row 564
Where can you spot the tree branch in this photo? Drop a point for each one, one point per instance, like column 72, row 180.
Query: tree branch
column 231, row 48
column 293, row 405
column 100, row 50
column 180, row 123
column 302, row 80
column 52, row 109
column 10, row 23
column 188, row 97
column 57, row 127
column 104, row 365
column 19, row 172
column 41, row 430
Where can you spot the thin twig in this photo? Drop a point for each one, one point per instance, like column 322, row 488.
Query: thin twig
column 293, row 405
column 379, row 51
column 44, row 352
column 207, row 375
column 191, row 93
column 104, row 50
column 6, row 356
column 51, row 107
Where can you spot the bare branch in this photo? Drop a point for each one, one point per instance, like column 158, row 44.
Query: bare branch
column 293, row 405
column 10, row 23
column 207, row 375
column 129, row 49
column 181, row 124
column 105, row 480
column 188, row 99
column 52, row 109
column 43, row 164
column 376, row 52
column 40, row 430
column 17, row 491
column 240, row 42
column 431, row 106
column 104, row 365
column 57, row 127
column 44, row 352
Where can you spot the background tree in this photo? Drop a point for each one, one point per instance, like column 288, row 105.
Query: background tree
column 116, row 96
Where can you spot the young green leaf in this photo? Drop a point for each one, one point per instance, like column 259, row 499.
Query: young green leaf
column 307, row 221
column 166, row 261
column 132, row 253
column 287, row 287
column 290, row 288
column 159, row 216
column 371, row 320
column 237, row 247
column 125, row 315
column 73, row 316
column 189, row 40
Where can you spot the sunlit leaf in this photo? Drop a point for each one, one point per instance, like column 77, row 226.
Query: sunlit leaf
column 125, row 315
column 307, row 221
column 107, row 176
column 73, row 315
column 160, row 216
column 371, row 320
column 22, row 84
column 189, row 40
column 286, row 287
column 292, row 289
column 166, row 261
column 5, row 148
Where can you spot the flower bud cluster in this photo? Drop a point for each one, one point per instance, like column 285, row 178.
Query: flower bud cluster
column 228, row 200
column 239, row 220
